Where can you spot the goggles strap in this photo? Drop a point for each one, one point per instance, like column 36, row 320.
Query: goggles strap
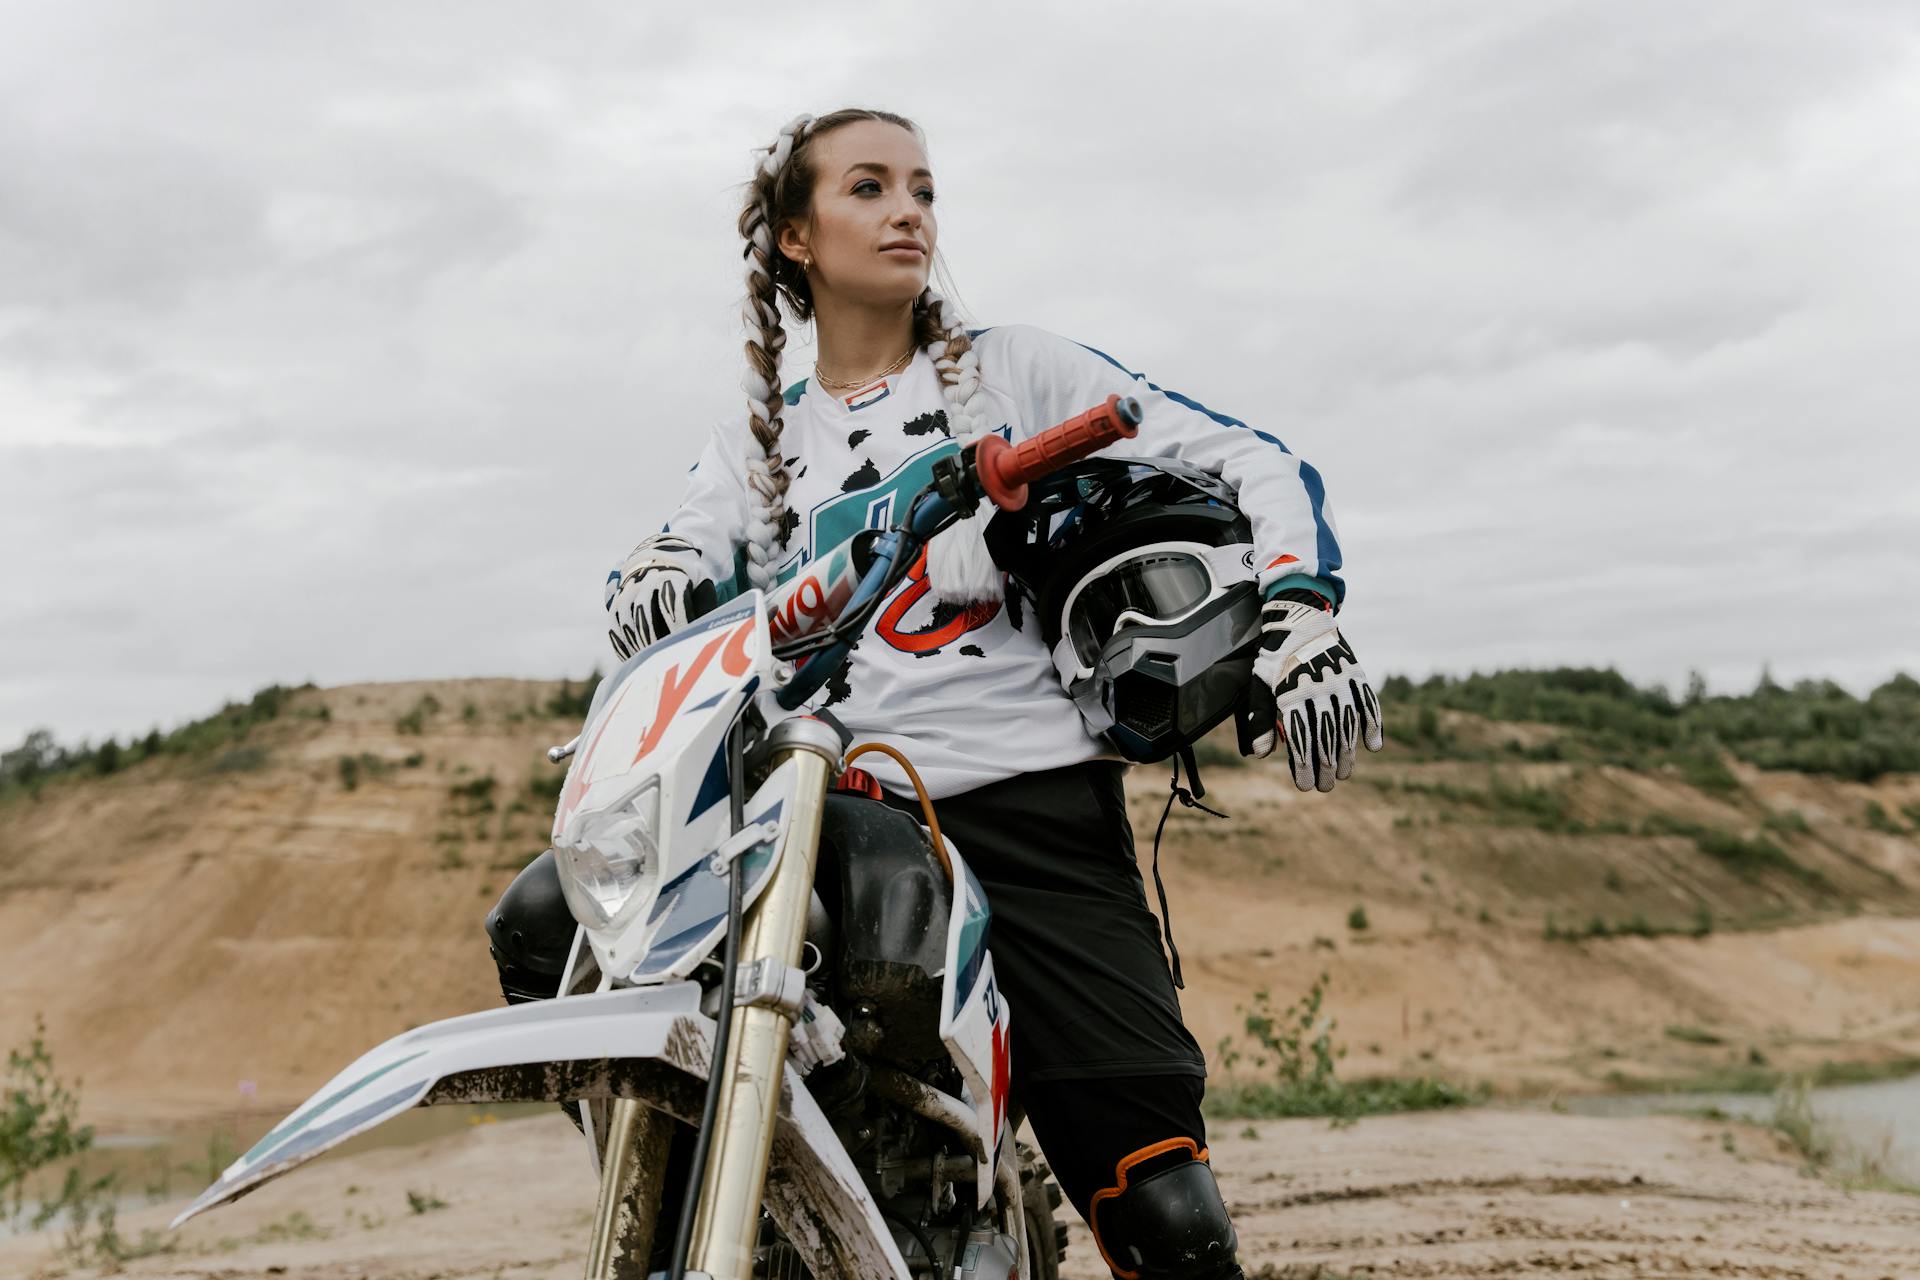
column 1191, row 800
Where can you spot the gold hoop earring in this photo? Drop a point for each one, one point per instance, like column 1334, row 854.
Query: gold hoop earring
column 806, row 262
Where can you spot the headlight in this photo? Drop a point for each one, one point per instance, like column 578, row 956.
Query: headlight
column 610, row 861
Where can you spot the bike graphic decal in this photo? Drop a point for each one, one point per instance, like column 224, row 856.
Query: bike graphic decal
column 653, row 684
column 1002, row 1076
column 322, row 1136
column 282, row 1132
column 973, row 933
column 690, row 915
column 674, row 687
column 812, row 598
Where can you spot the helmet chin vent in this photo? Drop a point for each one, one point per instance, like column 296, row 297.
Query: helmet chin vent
column 1149, row 708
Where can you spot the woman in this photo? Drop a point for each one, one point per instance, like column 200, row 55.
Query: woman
column 840, row 230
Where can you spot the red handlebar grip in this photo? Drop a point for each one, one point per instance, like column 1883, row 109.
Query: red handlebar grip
column 1006, row 470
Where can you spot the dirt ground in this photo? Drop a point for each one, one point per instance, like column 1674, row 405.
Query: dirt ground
column 208, row 942
column 161, row 919
column 1481, row 1193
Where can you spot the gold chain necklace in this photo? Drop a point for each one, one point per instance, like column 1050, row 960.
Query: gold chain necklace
column 857, row 383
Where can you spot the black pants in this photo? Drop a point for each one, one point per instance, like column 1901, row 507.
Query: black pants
column 1102, row 1064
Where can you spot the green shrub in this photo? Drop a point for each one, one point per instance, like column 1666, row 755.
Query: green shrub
column 1815, row 726
column 40, row 1130
column 231, row 724
column 546, row 787
column 349, row 773
column 476, row 795
column 415, row 720
column 244, row 759
column 1876, row 818
column 1707, row 771
column 571, row 702
column 424, row 1203
column 1635, row 926
column 1788, row 821
column 1357, row 918
column 1793, row 1119
column 1746, row 857
column 1297, row 1045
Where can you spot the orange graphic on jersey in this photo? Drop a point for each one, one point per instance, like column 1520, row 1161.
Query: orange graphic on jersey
column 970, row 618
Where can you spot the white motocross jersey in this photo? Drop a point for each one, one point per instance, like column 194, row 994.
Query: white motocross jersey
column 969, row 693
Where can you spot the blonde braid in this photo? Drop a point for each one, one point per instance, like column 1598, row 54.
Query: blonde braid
column 960, row 569
column 766, row 339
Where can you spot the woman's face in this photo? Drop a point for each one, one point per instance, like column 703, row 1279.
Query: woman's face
column 871, row 231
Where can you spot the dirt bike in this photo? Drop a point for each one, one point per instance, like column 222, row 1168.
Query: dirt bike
column 688, row 837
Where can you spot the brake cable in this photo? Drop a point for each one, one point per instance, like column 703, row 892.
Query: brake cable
column 723, row 1032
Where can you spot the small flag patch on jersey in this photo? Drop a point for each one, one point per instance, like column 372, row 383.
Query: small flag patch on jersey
column 869, row 395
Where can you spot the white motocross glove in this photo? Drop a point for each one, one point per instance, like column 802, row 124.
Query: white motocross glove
column 647, row 596
column 815, row 1038
column 1309, row 691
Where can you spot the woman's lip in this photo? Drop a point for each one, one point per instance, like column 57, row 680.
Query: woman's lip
column 913, row 249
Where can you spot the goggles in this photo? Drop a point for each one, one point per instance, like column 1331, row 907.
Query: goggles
column 1157, row 585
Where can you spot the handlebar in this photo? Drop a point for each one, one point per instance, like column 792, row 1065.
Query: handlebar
column 1005, row 470
column 817, row 617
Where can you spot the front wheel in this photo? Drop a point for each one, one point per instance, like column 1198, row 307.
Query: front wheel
column 1046, row 1235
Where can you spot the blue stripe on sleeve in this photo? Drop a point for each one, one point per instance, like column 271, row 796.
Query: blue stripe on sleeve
column 1327, row 547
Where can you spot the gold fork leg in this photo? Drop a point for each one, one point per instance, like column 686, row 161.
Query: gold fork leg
column 728, row 1219
column 632, row 1169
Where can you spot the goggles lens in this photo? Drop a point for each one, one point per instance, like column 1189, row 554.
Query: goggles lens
column 1159, row 586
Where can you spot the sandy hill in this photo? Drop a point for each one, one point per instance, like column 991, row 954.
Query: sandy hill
column 263, row 908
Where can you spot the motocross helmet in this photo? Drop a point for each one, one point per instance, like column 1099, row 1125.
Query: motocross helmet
column 1141, row 573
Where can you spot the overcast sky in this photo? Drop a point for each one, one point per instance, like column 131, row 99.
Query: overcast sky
column 354, row 342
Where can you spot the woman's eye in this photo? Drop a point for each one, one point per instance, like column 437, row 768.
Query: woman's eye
column 925, row 193
column 866, row 187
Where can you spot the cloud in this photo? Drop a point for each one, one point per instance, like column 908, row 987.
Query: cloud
column 354, row 343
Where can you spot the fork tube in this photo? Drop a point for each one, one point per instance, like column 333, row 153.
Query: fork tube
column 626, row 1217
column 728, row 1218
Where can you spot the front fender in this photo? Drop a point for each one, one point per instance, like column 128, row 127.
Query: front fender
column 649, row 1043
